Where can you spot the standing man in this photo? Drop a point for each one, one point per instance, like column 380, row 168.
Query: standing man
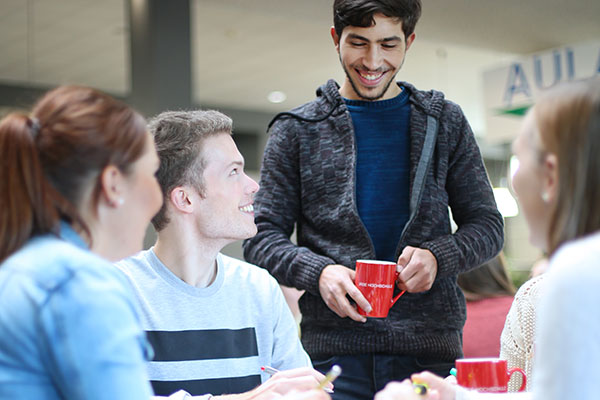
column 213, row 321
column 367, row 171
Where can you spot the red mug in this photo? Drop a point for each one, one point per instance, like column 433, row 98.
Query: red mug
column 376, row 281
column 486, row 374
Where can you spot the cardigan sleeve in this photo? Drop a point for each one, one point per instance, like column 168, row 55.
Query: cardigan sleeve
column 480, row 233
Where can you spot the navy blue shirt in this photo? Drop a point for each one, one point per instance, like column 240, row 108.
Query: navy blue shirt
column 382, row 169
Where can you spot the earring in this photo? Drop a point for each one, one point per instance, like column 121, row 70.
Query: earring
column 545, row 197
column 119, row 202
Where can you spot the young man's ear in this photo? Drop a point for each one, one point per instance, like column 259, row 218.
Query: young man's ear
column 180, row 199
column 336, row 39
column 112, row 185
column 409, row 40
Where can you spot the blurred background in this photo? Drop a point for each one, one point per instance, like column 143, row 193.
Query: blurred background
column 253, row 58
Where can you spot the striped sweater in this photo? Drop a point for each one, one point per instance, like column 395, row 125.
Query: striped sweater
column 213, row 339
column 308, row 181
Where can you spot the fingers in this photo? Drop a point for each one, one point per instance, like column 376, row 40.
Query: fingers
column 345, row 309
column 360, row 300
column 358, row 297
column 451, row 379
column 351, row 274
column 440, row 387
column 413, row 278
column 417, row 283
column 419, row 271
column 297, row 383
column 397, row 391
column 407, row 270
column 406, row 255
column 334, row 283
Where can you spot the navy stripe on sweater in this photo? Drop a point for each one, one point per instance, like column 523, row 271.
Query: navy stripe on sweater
column 204, row 386
column 203, row 344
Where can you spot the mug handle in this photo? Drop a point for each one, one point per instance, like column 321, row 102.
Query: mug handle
column 517, row 369
column 395, row 299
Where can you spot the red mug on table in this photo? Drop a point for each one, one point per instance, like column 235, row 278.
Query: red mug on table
column 486, row 374
column 376, row 281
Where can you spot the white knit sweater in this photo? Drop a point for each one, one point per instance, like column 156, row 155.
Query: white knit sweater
column 517, row 339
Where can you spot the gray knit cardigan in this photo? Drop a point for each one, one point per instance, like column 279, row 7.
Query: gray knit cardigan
column 308, row 180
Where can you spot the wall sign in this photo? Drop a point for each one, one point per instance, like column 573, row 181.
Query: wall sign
column 510, row 90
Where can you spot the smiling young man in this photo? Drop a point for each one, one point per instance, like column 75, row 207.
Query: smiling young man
column 371, row 57
column 213, row 321
column 368, row 170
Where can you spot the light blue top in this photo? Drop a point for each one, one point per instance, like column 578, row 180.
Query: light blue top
column 68, row 325
column 567, row 350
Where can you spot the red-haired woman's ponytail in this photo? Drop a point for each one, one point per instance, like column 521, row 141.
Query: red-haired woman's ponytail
column 27, row 207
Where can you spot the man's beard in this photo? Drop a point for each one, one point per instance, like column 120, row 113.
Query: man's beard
column 365, row 97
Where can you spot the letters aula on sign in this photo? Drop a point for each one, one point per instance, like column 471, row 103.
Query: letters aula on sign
column 560, row 66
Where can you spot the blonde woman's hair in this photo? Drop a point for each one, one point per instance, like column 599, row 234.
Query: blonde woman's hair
column 568, row 120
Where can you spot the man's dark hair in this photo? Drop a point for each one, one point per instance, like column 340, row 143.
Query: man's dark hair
column 360, row 13
column 179, row 136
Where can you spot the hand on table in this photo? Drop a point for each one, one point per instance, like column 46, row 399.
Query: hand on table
column 334, row 283
column 418, row 269
column 293, row 384
column 451, row 379
column 445, row 388
column 404, row 391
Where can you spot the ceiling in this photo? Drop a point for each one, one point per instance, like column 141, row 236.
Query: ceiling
column 244, row 49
